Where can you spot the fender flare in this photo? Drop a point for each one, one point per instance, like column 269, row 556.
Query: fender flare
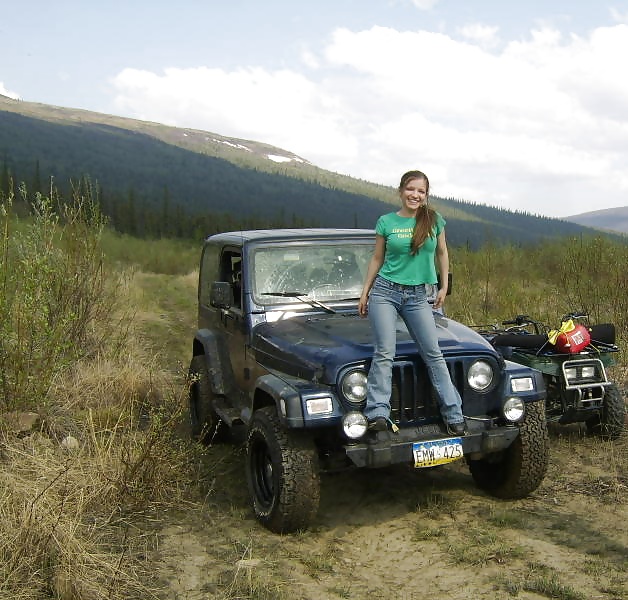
column 214, row 346
column 286, row 398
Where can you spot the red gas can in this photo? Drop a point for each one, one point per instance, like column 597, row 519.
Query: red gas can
column 574, row 340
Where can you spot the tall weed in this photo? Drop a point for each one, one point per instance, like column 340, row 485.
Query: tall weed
column 545, row 282
column 107, row 449
column 56, row 296
column 593, row 278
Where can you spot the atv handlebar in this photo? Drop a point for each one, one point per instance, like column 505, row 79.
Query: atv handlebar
column 575, row 315
column 520, row 321
column 523, row 320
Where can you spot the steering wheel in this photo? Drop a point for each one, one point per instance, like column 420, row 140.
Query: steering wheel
column 320, row 286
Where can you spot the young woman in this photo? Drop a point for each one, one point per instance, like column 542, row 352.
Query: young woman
column 406, row 244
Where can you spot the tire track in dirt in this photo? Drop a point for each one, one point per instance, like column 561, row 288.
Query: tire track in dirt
column 401, row 534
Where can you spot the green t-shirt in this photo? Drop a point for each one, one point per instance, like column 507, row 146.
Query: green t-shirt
column 399, row 265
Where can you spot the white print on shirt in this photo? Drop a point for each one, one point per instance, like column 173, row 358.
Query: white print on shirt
column 403, row 232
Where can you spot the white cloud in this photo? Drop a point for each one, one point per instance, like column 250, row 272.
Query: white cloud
column 619, row 17
column 282, row 108
column 425, row 4
column 8, row 93
column 541, row 125
column 310, row 60
column 484, row 35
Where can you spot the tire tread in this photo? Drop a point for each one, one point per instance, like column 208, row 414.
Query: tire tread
column 299, row 493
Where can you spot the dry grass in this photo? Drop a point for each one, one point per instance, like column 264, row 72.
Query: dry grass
column 104, row 452
column 69, row 516
column 72, row 513
column 58, row 537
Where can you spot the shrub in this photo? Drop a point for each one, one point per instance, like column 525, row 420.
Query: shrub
column 55, row 287
column 67, row 352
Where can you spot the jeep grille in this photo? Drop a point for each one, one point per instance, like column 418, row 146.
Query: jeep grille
column 413, row 398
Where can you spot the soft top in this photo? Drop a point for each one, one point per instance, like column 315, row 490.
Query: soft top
column 287, row 235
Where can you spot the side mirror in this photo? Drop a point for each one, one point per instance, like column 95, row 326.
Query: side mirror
column 221, row 294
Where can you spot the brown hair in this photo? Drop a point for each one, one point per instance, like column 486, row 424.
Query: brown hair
column 425, row 217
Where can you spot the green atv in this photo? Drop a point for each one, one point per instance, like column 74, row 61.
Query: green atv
column 578, row 389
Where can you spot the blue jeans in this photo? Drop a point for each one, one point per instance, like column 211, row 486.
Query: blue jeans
column 387, row 301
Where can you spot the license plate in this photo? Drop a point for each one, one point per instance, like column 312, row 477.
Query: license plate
column 438, row 452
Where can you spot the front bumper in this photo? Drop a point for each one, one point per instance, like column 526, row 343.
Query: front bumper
column 386, row 448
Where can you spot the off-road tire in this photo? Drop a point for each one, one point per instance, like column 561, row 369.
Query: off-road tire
column 610, row 422
column 282, row 474
column 520, row 468
column 205, row 426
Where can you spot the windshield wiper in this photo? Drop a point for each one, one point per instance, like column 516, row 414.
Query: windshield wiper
column 303, row 298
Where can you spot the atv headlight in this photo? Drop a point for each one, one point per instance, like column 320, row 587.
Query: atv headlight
column 480, row 375
column 354, row 424
column 353, row 386
column 575, row 373
column 514, row 409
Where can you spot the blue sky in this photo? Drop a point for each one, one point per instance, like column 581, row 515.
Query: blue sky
column 521, row 105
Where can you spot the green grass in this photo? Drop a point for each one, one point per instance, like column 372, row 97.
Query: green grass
column 433, row 504
column 511, row 518
column 163, row 256
column 540, row 579
column 478, row 546
column 550, row 586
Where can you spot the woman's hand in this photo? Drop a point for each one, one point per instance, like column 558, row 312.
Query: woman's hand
column 363, row 307
column 440, row 298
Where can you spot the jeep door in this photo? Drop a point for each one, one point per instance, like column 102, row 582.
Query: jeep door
column 233, row 319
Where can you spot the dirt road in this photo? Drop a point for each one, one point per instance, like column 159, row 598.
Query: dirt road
column 406, row 534
column 400, row 533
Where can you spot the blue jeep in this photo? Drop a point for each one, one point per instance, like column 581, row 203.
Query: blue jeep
column 281, row 357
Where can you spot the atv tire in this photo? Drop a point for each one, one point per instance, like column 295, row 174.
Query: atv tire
column 609, row 423
column 520, row 468
column 282, row 474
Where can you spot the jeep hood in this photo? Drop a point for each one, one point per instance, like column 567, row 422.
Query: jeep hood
column 316, row 347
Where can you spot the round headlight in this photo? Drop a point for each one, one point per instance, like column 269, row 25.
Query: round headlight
column 514, row 409
column 354, row 424
column 353, row 386
column 480, row 375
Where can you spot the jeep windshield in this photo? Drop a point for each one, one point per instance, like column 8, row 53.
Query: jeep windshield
column 320, row 272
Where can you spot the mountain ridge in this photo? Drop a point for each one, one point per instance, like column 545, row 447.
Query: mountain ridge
column 202, row 171
column 608, row 219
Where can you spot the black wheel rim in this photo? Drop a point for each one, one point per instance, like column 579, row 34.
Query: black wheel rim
column 262, row 472
column 194, row 416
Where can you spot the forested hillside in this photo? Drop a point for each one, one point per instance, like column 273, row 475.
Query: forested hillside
column 152, row 180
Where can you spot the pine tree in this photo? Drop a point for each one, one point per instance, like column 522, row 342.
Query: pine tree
column 36, row 182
